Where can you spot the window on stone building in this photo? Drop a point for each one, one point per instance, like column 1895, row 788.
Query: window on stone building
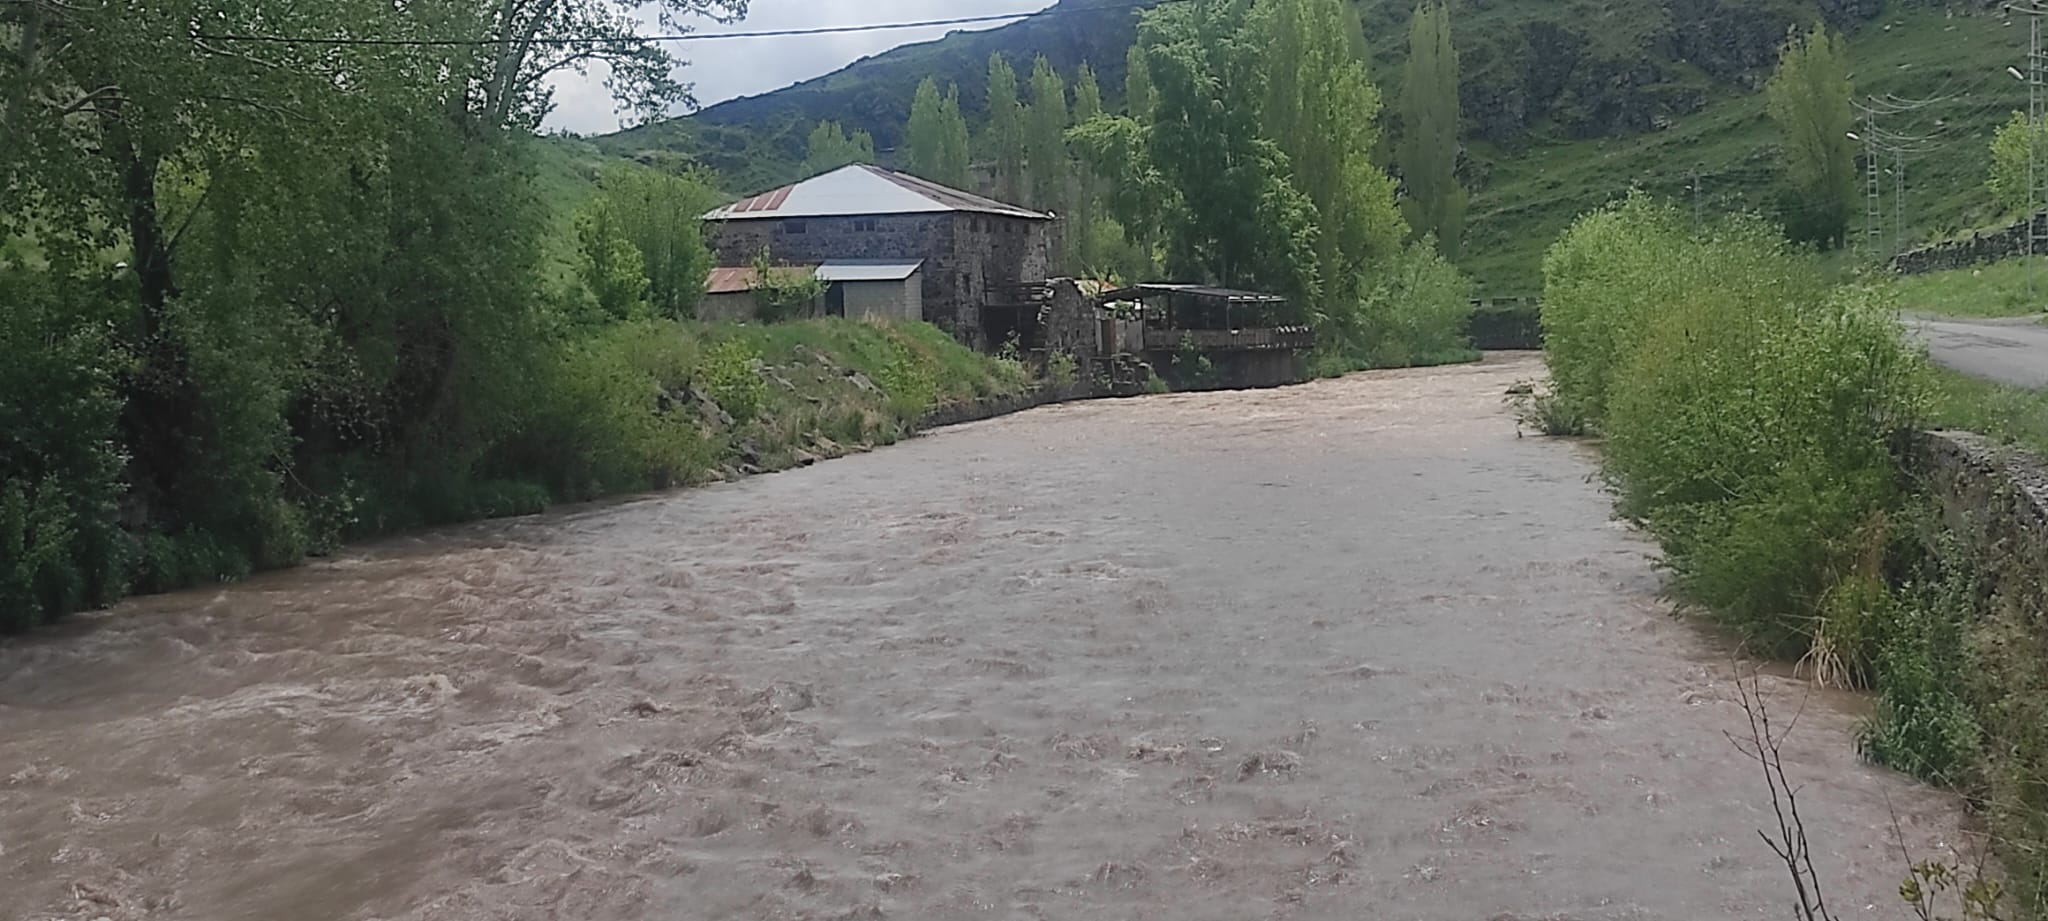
column 864, row 225
column 793, row 227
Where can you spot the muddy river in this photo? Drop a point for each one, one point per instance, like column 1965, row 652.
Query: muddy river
column 1347, row 650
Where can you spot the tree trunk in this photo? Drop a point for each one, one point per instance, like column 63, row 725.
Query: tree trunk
column 161, row 401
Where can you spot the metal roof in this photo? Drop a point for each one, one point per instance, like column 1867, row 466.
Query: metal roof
column 860, row 190
column 1203, row 292
column 867, row 270
column 739, row 279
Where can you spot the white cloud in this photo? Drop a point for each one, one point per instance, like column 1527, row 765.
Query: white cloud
column 729, row 68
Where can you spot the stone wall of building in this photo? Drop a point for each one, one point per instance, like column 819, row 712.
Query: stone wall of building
column 963, row 254
column 2009, row 242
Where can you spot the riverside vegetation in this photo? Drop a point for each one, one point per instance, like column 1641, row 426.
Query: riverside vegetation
column 260, row 299
column 1751, row 410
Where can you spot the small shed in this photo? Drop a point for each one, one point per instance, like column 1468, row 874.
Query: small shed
column 878, row 289
column 729, row 290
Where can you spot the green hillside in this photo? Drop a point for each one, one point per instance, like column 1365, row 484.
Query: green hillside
column 1568, row 104
column 1526, row 195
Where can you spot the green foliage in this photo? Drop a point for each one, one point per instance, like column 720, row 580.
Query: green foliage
column 1004, row 139
column 59, row 464
column 1416, row 310
column 1062, row 370
column 730, row 375
column 1087, row 95
column 1603, row 283
column 1192, row 368
column 612, row 269
column 2017, row 150
column 909, row 380
column 937, row 136
column 659, row 214
column 831, row 147
column 2013, row 415
column 781, row 292
column 1139, row 97
column 1435, row 202
column 1809, row 100
column 1924, row 724
column 1999, row 289
column 1045, row 146
column 1748, row 420
column 1237, row 220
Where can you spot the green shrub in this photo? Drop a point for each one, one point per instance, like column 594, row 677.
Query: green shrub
column 1751, row 431
column 910, row 382
column 1602, row 282
column 1416, row 311
column 1924, row 724
column 60, row 472
column 1062, row 370
column 729, row 373
column 1748, row 408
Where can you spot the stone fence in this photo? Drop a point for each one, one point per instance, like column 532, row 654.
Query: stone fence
column 2009, row 242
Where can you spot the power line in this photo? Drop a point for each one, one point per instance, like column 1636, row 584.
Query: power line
column 678, row 37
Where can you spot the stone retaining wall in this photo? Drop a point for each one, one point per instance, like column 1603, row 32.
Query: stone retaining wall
column 2009, row 242
column 1994, row 503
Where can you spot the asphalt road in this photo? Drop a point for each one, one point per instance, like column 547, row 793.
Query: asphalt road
column 2013, row 351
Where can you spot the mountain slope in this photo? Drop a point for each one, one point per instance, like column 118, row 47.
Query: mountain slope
column 1568, row 103
column 757, row 142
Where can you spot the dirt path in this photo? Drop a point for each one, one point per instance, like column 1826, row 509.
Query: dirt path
column 1350, row 650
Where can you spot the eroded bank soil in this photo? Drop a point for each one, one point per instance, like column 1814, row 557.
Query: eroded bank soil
column 1348, row 650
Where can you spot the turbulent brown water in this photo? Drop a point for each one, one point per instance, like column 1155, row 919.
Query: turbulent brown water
column 1348, row 650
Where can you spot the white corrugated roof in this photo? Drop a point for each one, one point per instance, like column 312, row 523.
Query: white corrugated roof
column 867, row 270
column 860, row 190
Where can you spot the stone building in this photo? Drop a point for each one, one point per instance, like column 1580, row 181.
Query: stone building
column 970, row 250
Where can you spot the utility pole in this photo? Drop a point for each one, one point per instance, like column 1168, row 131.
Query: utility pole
column 1873, row 191
column 2037, row 172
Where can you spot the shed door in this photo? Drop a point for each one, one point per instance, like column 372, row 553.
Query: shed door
column 835, row 299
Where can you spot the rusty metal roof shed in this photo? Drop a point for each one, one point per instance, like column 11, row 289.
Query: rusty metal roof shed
column 862, row 190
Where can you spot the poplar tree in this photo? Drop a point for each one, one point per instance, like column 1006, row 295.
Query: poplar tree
column 1045, row 143
column 1428, row 153
column 957, row 162
column 1004, row 136
column 1809, row 99
column 937, row 136
column 1138, row 92
column 831, row 147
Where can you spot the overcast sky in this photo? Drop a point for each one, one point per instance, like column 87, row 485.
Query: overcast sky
column 724, row 69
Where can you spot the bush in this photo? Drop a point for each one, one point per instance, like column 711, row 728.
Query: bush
column 60, row 473
column 1416, row 311
column 910, row 382
column 730, row 375
column 1924, row 724
column 1748, row 409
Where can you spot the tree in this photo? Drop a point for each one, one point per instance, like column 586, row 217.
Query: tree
column 1138, row 93
column 957, row 162
column 1809, row 99
column 1236, row 219
column 610, row 266
column 1003, row 139
column 509, row 77
column 1045, row 149
column 1087, row 95
column 1428, row 153
column 937, row 136
column 830, row 148
column 2015, row 168
column 1322, row 109
column 659, row 214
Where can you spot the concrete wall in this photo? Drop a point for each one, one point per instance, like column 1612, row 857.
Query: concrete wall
column 963, row 254
column 2009, row 242
column 727, row 307
column 885, row 300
